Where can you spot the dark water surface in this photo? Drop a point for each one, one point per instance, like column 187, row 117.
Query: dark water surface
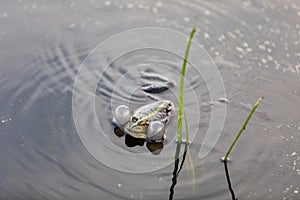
column 255, row 46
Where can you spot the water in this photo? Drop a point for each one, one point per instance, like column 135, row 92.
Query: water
column 254, row 44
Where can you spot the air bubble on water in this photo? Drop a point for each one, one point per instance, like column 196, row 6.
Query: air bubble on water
column 270, row 58
column 262, row 47
column 72, row 25
column 130, row 5
column 158, row 4
column 119, row 185
column 141, row 195
column 247, row 4
column 294, row 153
column 239, row 49
column 206, row 35
column 244, row 23
column 4, row 15
column 264, row 61
column 107, row 3
column 259, row 27
column 237, row 31
column 154, row 9
column 296, row 191
column 279, row 126
column 141, row 6
column 207, row 12
column 231, row 35
column 221, row 38
column 186, row 19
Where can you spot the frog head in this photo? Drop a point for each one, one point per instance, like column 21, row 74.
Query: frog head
column 137, row 127
column 147, row 122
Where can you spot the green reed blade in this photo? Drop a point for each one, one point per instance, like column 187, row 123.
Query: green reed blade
column 243, row 127
column 183, row 69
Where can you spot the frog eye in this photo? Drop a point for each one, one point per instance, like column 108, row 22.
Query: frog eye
column 170, row 106
column 134, row 119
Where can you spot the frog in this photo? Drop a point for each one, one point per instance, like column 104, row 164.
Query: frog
column 146, row 122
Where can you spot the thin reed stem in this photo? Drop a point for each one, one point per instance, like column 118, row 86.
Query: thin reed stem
column 243, row 127
column 183, row 69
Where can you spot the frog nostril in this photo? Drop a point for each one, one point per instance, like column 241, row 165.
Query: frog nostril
column 143, row 124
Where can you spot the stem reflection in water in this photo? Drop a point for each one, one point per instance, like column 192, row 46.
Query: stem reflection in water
column 228, row 181
column 177, row 167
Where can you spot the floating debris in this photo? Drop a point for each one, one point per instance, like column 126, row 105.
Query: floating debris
column 6, row 120
column 157, row 87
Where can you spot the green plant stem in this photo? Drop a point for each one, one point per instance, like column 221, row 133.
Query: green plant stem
column 183, row 69
column 243, row 127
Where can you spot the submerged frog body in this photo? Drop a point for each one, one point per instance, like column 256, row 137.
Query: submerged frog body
column 147, row 122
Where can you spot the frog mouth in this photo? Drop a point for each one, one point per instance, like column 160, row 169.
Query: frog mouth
column 138, row 133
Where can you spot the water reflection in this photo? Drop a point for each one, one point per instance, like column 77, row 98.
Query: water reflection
column 228, row 181
column 177, row 168
column 154, row 147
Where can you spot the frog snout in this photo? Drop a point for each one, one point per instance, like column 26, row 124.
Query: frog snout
column 134, row 126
